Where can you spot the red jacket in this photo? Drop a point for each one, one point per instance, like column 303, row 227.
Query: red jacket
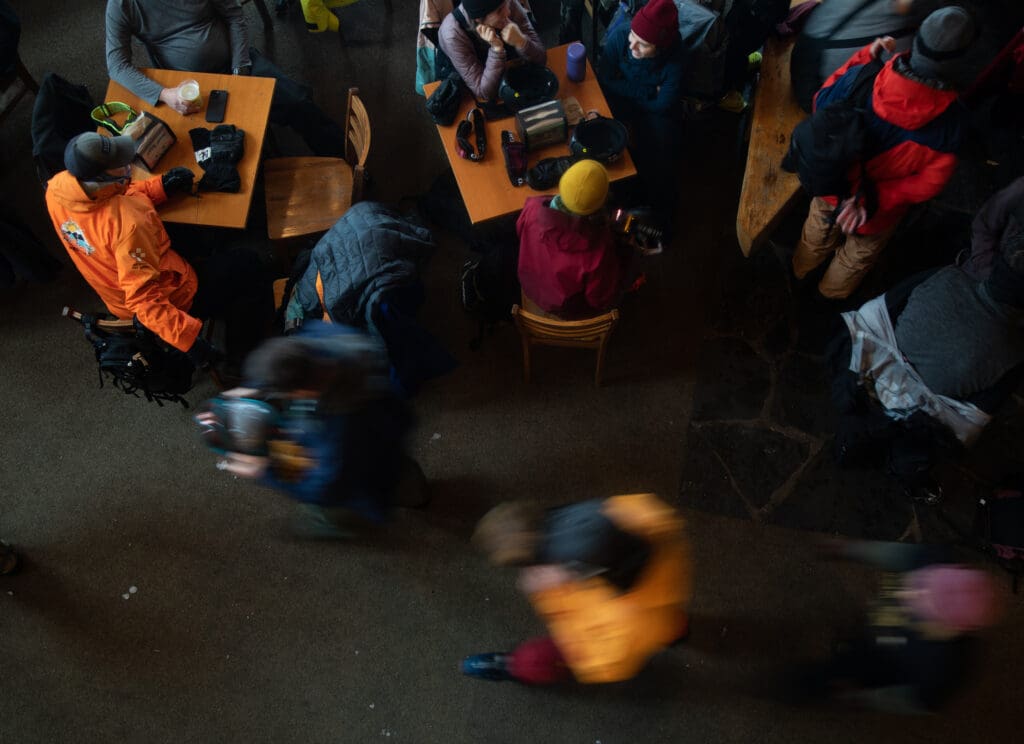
column 119, row 245
column 568, row 265
column 916, row 132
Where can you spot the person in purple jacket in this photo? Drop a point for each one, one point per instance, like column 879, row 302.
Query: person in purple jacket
column 481, row 36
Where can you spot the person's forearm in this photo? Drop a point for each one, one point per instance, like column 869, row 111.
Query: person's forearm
column 119, row 59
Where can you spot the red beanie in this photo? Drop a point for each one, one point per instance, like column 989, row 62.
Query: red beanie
column 657, row 23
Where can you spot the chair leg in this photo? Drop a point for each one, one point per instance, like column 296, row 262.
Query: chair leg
column 600, row 362
column 526, row 360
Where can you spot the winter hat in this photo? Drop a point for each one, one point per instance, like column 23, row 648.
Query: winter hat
column 941, row 46
column 90, row 154
column 584, row 187
column 474, row 9
column 956, row 597
column 657, row 23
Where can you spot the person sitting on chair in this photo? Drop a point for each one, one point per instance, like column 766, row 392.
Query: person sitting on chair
column 481, row 36
column 208, row 36
column 641, row 72
column 915, row 126
column 570, row 263
column 920, row 370
column 117, row 241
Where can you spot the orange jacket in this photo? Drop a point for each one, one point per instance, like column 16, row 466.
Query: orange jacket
column 119, row 245
column 608, row 636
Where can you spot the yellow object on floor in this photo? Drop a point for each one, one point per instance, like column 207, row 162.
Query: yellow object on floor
column 318, row 15
column 733, row 102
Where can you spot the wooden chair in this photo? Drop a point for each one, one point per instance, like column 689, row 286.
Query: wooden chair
column 308, row 195
column 14, row 88
column 592, row 333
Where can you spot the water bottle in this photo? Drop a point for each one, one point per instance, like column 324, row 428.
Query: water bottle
column 576, row 62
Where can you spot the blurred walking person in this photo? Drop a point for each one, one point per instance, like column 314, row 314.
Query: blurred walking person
column 609, row 577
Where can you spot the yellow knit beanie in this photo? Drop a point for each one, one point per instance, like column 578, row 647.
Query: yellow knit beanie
column 584, row 187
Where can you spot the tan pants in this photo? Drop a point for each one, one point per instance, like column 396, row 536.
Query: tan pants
column 853, row 257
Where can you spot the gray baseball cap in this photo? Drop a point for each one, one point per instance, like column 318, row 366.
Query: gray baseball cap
column 90, row 154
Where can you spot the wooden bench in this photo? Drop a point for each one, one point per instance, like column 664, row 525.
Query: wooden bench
column 768, row 191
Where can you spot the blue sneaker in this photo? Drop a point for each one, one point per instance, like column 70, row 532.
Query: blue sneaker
column 492, row 666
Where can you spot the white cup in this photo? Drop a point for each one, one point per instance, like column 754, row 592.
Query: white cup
column 188, row 91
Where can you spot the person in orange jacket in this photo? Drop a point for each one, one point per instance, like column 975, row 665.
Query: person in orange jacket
column 117, row 241
column 609, row 577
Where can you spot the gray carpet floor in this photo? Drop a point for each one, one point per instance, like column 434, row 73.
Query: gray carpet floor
column 236, row 633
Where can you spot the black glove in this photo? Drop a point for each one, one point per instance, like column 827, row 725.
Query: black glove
column 202, row 354
column 178, row 180
column 218, row 152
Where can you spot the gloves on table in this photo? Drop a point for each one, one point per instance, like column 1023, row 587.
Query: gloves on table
column 218, row 152
column 178, row 181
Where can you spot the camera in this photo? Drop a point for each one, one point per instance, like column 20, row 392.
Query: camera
column 639, row 224
column 241, row 425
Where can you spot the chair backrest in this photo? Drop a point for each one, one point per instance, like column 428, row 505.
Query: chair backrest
column 15, row 87
column 585, row 334
column 357, row 141
column 591, row 333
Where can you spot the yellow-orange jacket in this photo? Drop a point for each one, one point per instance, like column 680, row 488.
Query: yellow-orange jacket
column 119, row 245
column 606, row 635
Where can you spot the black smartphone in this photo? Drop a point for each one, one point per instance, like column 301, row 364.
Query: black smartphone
column 216, row 105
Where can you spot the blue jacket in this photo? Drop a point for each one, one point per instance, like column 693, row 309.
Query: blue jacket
column 651, row 85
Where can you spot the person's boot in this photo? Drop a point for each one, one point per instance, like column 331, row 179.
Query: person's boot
column 491, row 666
column 315, row 522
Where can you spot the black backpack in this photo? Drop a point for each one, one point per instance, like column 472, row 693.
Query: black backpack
column 136, row 360
column 825, row 145
column 488, row 287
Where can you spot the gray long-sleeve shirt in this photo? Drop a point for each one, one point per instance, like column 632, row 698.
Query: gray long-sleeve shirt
column 483, row 77
column 192, row 35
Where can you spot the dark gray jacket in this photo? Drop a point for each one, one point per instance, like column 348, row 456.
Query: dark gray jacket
column 367, row 252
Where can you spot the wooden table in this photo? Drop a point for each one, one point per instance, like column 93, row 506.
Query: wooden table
column 485, row 187
column 248, row 109
column 768, row 191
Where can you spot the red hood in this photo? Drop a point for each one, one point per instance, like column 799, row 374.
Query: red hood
column 907, row 103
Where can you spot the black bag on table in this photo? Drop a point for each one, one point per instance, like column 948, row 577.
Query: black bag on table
column 443, row 104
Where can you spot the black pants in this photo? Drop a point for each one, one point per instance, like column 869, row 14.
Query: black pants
column 654, row 145
column 236, row 287
column 293, row 106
